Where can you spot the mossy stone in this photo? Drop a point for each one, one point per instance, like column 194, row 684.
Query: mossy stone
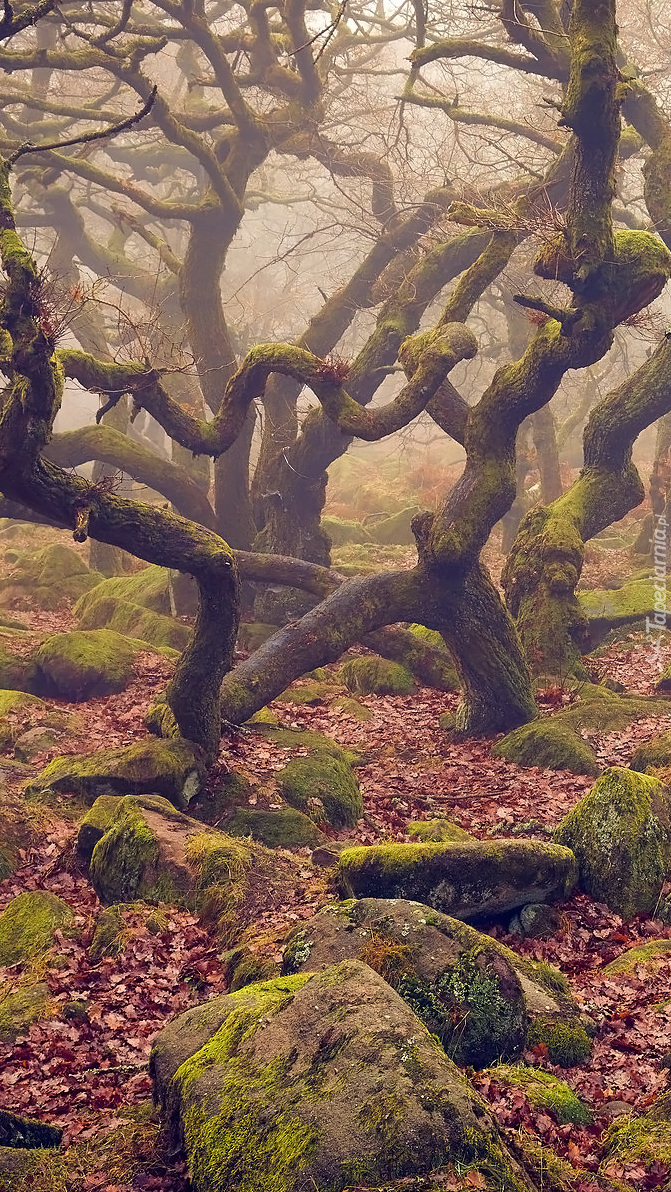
column 309, row 692
column 354, row 708
column 171, row 768
column 323, row 788
column 467, row 879
column 50, row 577
column 95, row 823
column 649, row 754
column 644, row 1141
column 283, row 828
column 567, row 1044
column 16, row 701
column 430, row 636
column 608, row 712
column 549, row 745
column 16, row 1131
column 84, row 664
column 126, row 862
column 319, row 1079
column 610, row 608
column 107, row 937
column 371, row 675
column 315, row 743
column 28, row 925
column 544, row 1091
column 17, row 672
column 397, row 529
column 620, row 833
column 20, row 1007
column 649, row 955
column 133, row 620
column 149, row 588
column 438, row 830
column 341, row 531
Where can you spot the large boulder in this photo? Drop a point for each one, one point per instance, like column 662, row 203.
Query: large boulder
column 620, row 833
column 371, row 675
column 86, row 663
column 49, row 577
column 281, row 827
column 103, row 611
column 319, row 1081
column 173, row 768
column 467, row 879
column 549, row 744
column 153, row 587
column 322, row 787
column 474, row 994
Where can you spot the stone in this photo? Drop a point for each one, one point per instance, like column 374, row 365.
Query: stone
column 103, row 611
column 324, row 788
column 371, row 675
column 436, row 830
column 620, row 833
column 536, row 921
column 35, row 741
column 28, row 925
column 16, row 1131
column 172, row 768
column 85, row 664
column 467, row 879
column 322, row 1080
column 149, row 588
column 280, row 828
column 49, row 577
column 549, row 745
column 652, row 754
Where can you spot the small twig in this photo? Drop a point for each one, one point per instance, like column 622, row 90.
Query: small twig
column 85, row 139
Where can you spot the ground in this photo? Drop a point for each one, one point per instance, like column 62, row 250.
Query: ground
column 86, row 1070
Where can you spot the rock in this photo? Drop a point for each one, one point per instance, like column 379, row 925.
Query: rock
column 544, row 1091
column 608, row 609
column 283, row 828
column 20, row 1007
column 353, row 708
column 95, row 823
column 315, row 743
column 49, row 577
column 474, row 994
column 310, row 692
column 171, row 768
column 76, row 1011
column 468, row 879
column 107, row 937
column 148, row 588
column 620, row 832
column 650, row 956
column 603, row 710
column 395, row 530
column 536, row 921
column 323, row 788
column 430, row 636
column 370, row 675
column 111, row 612
column 550, row 745
column 35, row 741
column 217, row 802
column 28, row 925
column 86, row 663
column 342, row 531
column 638, row 1143
column 435, row 830
column 244, row 967
column 16, row 701
column 318, row 1081
column 17, row 672
column 24, row 1132
column 653, row 753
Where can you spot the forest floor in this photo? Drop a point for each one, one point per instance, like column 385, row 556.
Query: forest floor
column 91, row 1077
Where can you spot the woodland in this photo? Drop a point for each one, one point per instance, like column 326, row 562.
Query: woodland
column 335, row 519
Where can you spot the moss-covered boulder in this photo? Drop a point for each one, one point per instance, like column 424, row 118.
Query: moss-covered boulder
column 34, row 741
column 638, row 1143
column 50, row 577
column 149, row 588
column 17, row 671
column 395, row 530
column 649, row 956
column 605, row 711
column 311, row 691
column 341, row 530
column 467, row 880
column 663, row 684
column 84, row 664
column 28, row 925
column 472, row 993
column 171, row 768
column 12, row 723
column 304, row 739
column 280, row 828
column 652, row 754
column 21, row 1006
column 543, row 1091
column 17, row 1131
column 95, row 823
column 608, row 609
column 435, row 830
column 324, row 788
column 319, row 1080
column 620, row 833
column 370, row 675
column 103, row 611
column 550, row 745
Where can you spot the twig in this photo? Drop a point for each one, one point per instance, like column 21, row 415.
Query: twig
column 85, row 139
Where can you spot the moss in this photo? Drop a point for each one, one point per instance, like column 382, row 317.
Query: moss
column 607, row 608
column 341, row 531
column 567, row 1043
column 610, row 714
column 437, row 830
column 371, row 675
column 124, row 855
column 316, row 743
column 549, row 1172
column 648, row 955
column 353, row 708
column 51, row 576
column 28, row 925
column 16, row 701
column 108, row 935
column 20, row 1007
column 322, row 787
column 620, row 832
column 110, row 612
column 544, row 1091
column 264, row 716
column 277, row 829
column 430, row 636
column 95, row 823
column 147, row 588
column 641, row 1140
column 86, row 663
column 653, row 753
column 550, row 745
column 26, row 1132
column 310, row 692
column 171, row 768
column 253, row 634
column 395, row 530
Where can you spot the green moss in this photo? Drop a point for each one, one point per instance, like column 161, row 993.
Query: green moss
column 549, row 1172
column 147, row 588
column 568, row 1043
column 430, row 636
column 371, row 675
column 95, row 823
column 264, row 716
column 26, row 1132
column 86, row 663
column 354, row 708
column 20, row 1007
column 656, row 752
column 544, row 1091
column 645, row 954
column 322, row 787
column 437, row 830
column 316, row 743
column 123, row 857
column 606, row 608
column 341, row 531
column 550, row 745
column 28, row 925
column 610, row 714
column 620, row 833
column 277, row 829
column 642, row 1140
column 51, row 576
column 108, row 935
column 16, row 701
column 171, row 768
column 395, row 530
column 133, row 620
column 311, row 692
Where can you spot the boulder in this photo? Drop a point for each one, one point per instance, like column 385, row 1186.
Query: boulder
column 86, row 663
column 95, row 823
column 536, row 921
column 172, row 768
column 49, row 577
column 341, row 531
column 319, row 1081
column 28, row 925
column 650, row 956
column 397, row 529
column 620, row 833
column 549, row 744
column 474, row 994
column 280, row 828
column 607, row 609
column 112, row 612
column 650, row 755
column 436, row 830
column 16, row 1131
column 21, row 1006
column 467, row 879
column 35, row 741
column 324, row 788
column 149, row 588
column 371, row 675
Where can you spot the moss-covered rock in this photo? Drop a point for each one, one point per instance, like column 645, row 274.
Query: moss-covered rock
column 323, row 788
column 608, row 712
column 35, row 741
column 49, row 577
column 253, row 634
column 21, row 1006
column 620, row 832
column 341, row 530
column 171, row 768
column 84, row 664
column 315, row 743
column 16, row 1131
column 644, row 1141
column 395, row 530
column 353, row 708
column 650, row 956
column 95, row 823
column 17, row 671
column 653, row 753
column 310, row 691
column 28, row 925
column 550, row 745
column 18, row 701
column 544, row 1091
column 567, row 1044
column 435, row 830
column 282, row 828
column 430, row 636
column 149, row 588
column 111, row 612
column 323, row 1080
column 467, row 879
column 607, row 609
column 370, row 675
column 472, row 993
